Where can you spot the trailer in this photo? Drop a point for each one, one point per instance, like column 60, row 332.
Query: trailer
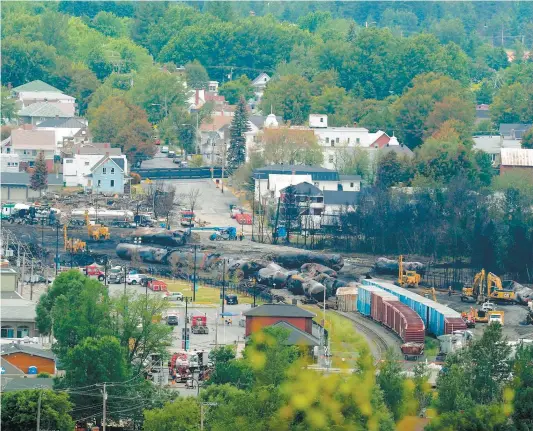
column 412, row 351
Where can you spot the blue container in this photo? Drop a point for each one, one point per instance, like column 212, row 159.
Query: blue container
column 32, row 369
column 364, row 301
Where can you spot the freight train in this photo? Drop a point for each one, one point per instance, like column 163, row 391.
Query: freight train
column 437, row 318
column 387, row 309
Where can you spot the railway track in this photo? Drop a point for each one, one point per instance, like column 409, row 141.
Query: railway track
column 366, row 327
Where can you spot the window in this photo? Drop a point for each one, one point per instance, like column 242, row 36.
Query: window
column 112, row 171
column 99, row 183
column 86, row 163
column 337, row 140
column 104, row 171
column 348, row 140
column 34, row 153
column 23, row 331
column 357, row 140
column 351, row 185
column 330, row 159
column 7, row 332
column 339, row 187
column 321, row 119
column 31, row 164
column 69, row 161
column 112, row 183
column 327, row 140
column 332, row 143
column 316, row 183
column 8, row 150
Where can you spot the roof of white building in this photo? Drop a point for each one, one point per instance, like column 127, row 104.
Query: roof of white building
column 22, row 139
column 36, row 85
column 493, row 144
column 62, row 123
column 517, row 157
column 45, row 95
column 42, row 109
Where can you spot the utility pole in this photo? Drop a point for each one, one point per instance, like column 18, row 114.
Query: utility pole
column 39, row 410
column 223, row 284
column 104, row 406
column 125, row 269
column 194, row 276
column 57, row 247
column 185, row 337
column 23, row 272
column 216, row 330
column 31, row 281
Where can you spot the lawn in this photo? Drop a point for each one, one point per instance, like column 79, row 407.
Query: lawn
column 205, row 294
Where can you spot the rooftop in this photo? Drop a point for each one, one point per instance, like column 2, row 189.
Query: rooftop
column 494, row 143
column 8, row 349
column 304, row 189
column 23, row 178
column 62, row 123
column 350, row 177
column 10, row 384
column 9, row 369
column 23, row 139
column 317, row 173
column 515, row 130
column 42, row 109
column 278, row 310
column 45, row 95
column 297, row 336
column 36, row 85
column 516, row 157
column 334, row 197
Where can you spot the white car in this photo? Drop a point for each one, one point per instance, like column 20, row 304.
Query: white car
column 173, row 296
column 164, row 149
column 135, row 278
column 487, row 306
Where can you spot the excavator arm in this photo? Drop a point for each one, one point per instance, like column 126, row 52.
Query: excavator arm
column 493, row 279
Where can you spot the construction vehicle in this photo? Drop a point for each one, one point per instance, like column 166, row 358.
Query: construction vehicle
column 409, row 278
column 73, row 245
column 474, row 292
column 227, row 234
column 482, row 316
column 496, row 292
column 96, row 231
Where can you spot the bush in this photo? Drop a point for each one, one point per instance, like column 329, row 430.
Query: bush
column 135, row 178
column 43, row 375
column 197, row 161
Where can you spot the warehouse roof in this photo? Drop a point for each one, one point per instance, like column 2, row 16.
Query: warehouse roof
column 278, row 310
column 19, row 310
column 335, row 197
column 23, row 179
column 517, row 157
column 9, row 349
column 297, row 336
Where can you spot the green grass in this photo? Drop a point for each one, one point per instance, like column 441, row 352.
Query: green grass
column 432, row 347
column 205, row 294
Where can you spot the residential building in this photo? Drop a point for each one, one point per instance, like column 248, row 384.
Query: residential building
column 28, row 143
column 258, row 130
column 213, row 87
column 108, row 176
column 10, row 163
column 16, row 186
column 213, row 136
column 259, row 84
column 492, row 145
column 270, row 180
column 36, row 113
column 516, row 160
column 36, row 92
column 514, row 130
column 77, row 167
column 296, row 320
column 8, row 279
column 482, row 112
column 18, row 316
column 28, row 359
column 64, row 128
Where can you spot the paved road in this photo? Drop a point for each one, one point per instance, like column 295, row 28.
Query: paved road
column 160, row 160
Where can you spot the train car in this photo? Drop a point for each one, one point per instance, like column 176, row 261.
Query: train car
column 387, row 309
column 437, row 318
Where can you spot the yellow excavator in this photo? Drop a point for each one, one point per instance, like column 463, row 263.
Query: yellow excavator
column 96, row 231
column 73, row 245
column 409, row 278
column 474, row 292
column 495, row 291
column 483, row 316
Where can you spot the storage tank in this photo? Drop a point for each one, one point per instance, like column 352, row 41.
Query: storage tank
column 103, row 214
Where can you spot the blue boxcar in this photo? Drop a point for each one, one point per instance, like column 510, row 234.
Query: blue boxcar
column 364, row 299
column 432, row 313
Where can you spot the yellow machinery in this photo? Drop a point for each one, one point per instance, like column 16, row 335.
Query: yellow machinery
column 496, row 292
column 480, row 316
column 430, row 293
column 475, row 292
column 410, row 278
column 96, row 231
column 73, row 245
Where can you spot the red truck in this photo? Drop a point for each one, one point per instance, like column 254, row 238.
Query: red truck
column 157, row 285
column 199, row 325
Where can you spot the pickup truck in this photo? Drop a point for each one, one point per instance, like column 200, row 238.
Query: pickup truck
column 135, row 278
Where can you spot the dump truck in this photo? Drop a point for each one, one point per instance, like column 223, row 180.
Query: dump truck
column 199, row 325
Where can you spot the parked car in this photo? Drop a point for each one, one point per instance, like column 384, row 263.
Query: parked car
column 164, row 149
column 184, row 164
column 135, row 278
column 145, row 280
column 116, row 277
column 171, row 154
column 174, row 296
column 231, row 299
column 173, row 320
column 177, row 161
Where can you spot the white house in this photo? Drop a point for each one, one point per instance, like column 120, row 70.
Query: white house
column 10, row 163
column 40, row 92
column 76, row 169
column 64, row 128
column 270, row 180
column 27, row 144
column 259, row 85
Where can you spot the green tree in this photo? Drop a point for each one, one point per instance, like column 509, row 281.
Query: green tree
column 392, row 383
column 19, row 410
column 110, row 24
column 511, row 104
column 196, row 75
column 180, row 415
column 527, row 139
column 289, row 96
column 234, row 90
column 481, row 417
column 391, row 170
column 523, row 387
column 237, row 145
column 336, row 104
column 39, row 176
column 9, row 109
column 283, row 145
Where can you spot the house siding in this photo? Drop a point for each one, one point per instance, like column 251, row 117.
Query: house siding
column 105, row 179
